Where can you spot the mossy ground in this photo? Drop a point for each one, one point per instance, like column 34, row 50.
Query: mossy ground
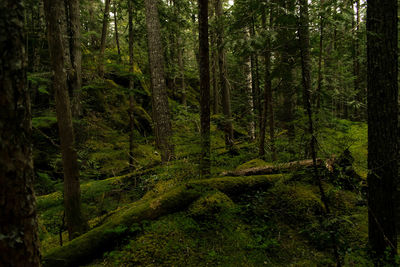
column 281, row 226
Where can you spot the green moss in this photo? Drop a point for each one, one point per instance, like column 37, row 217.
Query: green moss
column 210, row 204
column 251, row 164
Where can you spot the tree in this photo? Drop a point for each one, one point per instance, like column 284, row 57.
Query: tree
column 383, row 154
column 76, row 55
column 161, row 115
column 76, row 224
column 104, row 36
column 226, row 96
column 131, row 85
column 249, row 90
column 19, row 242
column 204, row 88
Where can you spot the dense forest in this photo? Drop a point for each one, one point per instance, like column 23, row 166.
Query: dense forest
column 199, row 133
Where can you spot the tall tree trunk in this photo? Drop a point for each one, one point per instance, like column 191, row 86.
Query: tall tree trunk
column 304, row 39
column 104, row 37
column 226, row 97
column 19, row 242
column 116, row 29
column 181, row 64
column 72, row 196
column 249, row 92
column 255, row 81
column 356, row 61
column 214, row 62
column 320, row 55
column 161, row 115
column 383, row 153
column 268, row 111
column 76, row 56
column 204, row 88
column 131, row 85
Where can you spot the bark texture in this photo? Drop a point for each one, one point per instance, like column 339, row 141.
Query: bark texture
column 131, row 85
column 76, row 56
column 383, row 131
column 161, row 114
column 106, row 18
column 249, row 92
column 72, row 197
column 19, row 242
column 204, row 88
column 226, row 96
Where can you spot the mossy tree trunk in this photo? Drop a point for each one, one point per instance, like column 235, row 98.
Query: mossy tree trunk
column 19, row 242
column 103, row 40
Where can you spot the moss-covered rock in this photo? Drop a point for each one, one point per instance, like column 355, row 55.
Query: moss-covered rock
column 209, row 205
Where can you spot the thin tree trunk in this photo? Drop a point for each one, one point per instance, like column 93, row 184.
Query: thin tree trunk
column 161, row 114
column 76, row 56
column 104, row 37
column 131, row 85
column 249, row 92
column 226, row 98
column 320, row 55
column 116, row 29
column 204, row 88
column 214, row 62
column 19, row 242
column 356, row 61
column 76, row 224
column 268, row 111
column 256, row 81
column 383, row 133
column 181, row 65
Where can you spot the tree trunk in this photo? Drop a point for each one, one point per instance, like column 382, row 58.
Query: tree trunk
column 356, row 61
column 320, row 55
column 116, row 29
column 181, row 64
column 131, row 85
column 304, row 39
column 76, row 56
column 204, row 88
column 268, row 111
column 214, row 62
column 226, row 98
column 104, row 37
column 72, row 200
column 255, row 81
column 19, row 242
column 161, row 115
column 249, row 92
column 383, row 132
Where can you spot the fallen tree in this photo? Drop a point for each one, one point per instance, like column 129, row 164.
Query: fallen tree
column 103, row 238
column 276, row 168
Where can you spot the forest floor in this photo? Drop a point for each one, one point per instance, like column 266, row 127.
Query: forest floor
column 283, row 224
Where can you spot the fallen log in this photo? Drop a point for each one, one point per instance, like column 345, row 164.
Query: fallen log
column 103, row 238
column 276, row 168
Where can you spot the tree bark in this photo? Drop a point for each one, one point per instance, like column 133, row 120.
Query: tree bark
column 116, row 29
column 214, row 62
column 383, row 154
column 204, row 89
column 131, row 85
column 181, row 63
column 161, row 114
column 268, row 111
column 249, row 92
column 226, row 97
column 76, row 56
column 320, row 55
column 19, row 242
column 104, row 37
column 72, row 200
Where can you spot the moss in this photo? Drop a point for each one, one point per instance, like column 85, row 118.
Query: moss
column 250, row 164
column 211, row 204
column 100, row 239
